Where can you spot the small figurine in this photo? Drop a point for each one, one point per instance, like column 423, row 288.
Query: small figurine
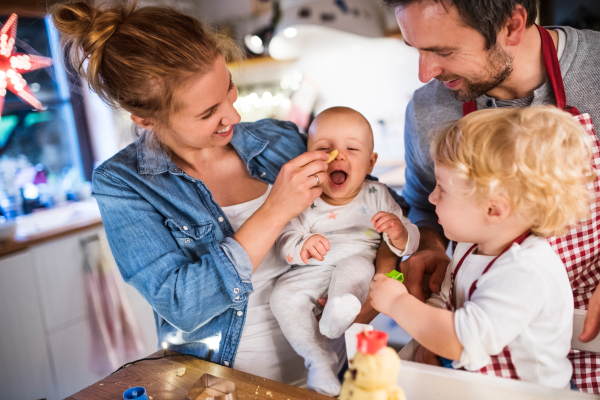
column 373, row 371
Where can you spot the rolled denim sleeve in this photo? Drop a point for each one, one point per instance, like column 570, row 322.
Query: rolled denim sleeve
column 239, row 258
column 420, row 178
column 187, row 293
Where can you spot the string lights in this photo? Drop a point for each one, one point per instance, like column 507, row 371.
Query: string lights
column 13, row 64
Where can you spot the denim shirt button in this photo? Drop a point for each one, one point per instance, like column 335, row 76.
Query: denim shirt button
column 226, row 363
column 187, row 241
column 177, row 170
column 236, row 290
column 240, row 313
column 220, row 219
column 185, row 228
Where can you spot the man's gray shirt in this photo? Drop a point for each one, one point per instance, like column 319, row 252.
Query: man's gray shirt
column 433, row 105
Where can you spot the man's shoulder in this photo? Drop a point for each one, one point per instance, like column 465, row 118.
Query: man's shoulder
column 586, row 39
column 433, row 105
column 582, row 53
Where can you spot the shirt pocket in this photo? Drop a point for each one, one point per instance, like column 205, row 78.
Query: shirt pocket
column 192, row 239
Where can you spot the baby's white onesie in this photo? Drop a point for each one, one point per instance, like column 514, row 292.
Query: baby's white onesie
column 344, row 275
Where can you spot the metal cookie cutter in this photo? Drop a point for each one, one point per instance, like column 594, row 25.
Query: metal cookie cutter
column 209, row 387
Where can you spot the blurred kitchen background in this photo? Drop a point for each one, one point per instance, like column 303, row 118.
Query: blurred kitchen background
column 67, row 318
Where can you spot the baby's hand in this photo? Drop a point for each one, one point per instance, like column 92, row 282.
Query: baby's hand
column 384, row 291
column 316, row 247
column 390, row 224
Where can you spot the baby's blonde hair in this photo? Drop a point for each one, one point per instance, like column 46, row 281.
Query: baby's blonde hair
column 536, row 157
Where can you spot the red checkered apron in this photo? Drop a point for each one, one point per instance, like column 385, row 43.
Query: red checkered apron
column 501, row 364
column 579, row 249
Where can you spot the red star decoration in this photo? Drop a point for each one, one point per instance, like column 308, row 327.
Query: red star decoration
column 13, row 64
column 332, row 215
column 289, row 258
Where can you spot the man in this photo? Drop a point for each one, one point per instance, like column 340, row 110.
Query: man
column 479, row 54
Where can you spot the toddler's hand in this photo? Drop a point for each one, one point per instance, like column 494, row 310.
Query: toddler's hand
column 315, row 247
column 384, row 291
column 390, row 224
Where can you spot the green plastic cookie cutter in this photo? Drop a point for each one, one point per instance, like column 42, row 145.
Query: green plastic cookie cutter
column 399, row 276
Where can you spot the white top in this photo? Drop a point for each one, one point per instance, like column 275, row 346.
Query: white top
column 348, row 228
column 524, row 301
column 263, row 349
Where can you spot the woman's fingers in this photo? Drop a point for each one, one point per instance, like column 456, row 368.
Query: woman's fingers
column 322, row 178
column 303, row 160
column 313, row 168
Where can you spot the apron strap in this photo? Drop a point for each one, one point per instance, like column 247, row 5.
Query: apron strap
column 469, row 107
column 518, row 240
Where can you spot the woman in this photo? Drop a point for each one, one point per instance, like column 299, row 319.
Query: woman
column 194, row 206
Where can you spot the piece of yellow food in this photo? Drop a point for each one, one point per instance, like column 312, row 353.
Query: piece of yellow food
column 332, row 156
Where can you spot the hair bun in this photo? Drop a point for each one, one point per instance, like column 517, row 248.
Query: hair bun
column 84, row 30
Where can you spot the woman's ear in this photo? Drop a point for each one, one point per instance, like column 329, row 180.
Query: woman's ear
column 145, row 123
column 498, row 209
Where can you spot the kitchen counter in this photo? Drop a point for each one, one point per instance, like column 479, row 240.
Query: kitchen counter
column 160, row 379
column 46, row 225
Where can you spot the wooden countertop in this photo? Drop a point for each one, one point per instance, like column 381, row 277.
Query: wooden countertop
column 160, row 379
column 17, row 244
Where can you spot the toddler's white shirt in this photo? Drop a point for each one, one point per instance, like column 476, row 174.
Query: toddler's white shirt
column 524, row 301
column 348, row 228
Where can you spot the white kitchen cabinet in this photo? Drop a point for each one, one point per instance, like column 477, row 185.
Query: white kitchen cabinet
column 59, row 266
column 45, row 340
column 25, row 368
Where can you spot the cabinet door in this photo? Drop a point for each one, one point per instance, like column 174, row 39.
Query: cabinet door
column 24, row 365
column 59, row 267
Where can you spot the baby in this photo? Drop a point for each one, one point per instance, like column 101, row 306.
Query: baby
column 332, row 245
column 506, row 180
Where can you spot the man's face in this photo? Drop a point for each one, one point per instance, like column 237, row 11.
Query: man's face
column 452, row 52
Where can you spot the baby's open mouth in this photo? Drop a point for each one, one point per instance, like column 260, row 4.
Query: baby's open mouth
column 338, row 178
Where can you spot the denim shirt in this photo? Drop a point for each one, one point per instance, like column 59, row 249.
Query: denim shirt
column 172, row 241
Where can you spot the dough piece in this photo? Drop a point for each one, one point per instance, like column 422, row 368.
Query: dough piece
column 332, row 156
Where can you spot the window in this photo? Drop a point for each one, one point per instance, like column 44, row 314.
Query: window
column 40, row 158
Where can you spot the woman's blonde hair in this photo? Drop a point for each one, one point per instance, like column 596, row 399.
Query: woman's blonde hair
column 137, row 58
column 536, row 157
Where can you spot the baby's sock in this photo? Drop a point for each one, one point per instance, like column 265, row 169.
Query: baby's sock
column 324, row 381
column 339, row 313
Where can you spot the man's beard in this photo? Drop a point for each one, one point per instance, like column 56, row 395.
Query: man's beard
column 499, row 68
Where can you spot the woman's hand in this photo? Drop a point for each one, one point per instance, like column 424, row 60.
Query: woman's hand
column 297, row 185
column 384, row 291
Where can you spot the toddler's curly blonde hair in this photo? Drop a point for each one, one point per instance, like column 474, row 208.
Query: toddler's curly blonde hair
column 536, row 157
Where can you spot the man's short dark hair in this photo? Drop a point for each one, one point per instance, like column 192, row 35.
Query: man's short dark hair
column 485, row 16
